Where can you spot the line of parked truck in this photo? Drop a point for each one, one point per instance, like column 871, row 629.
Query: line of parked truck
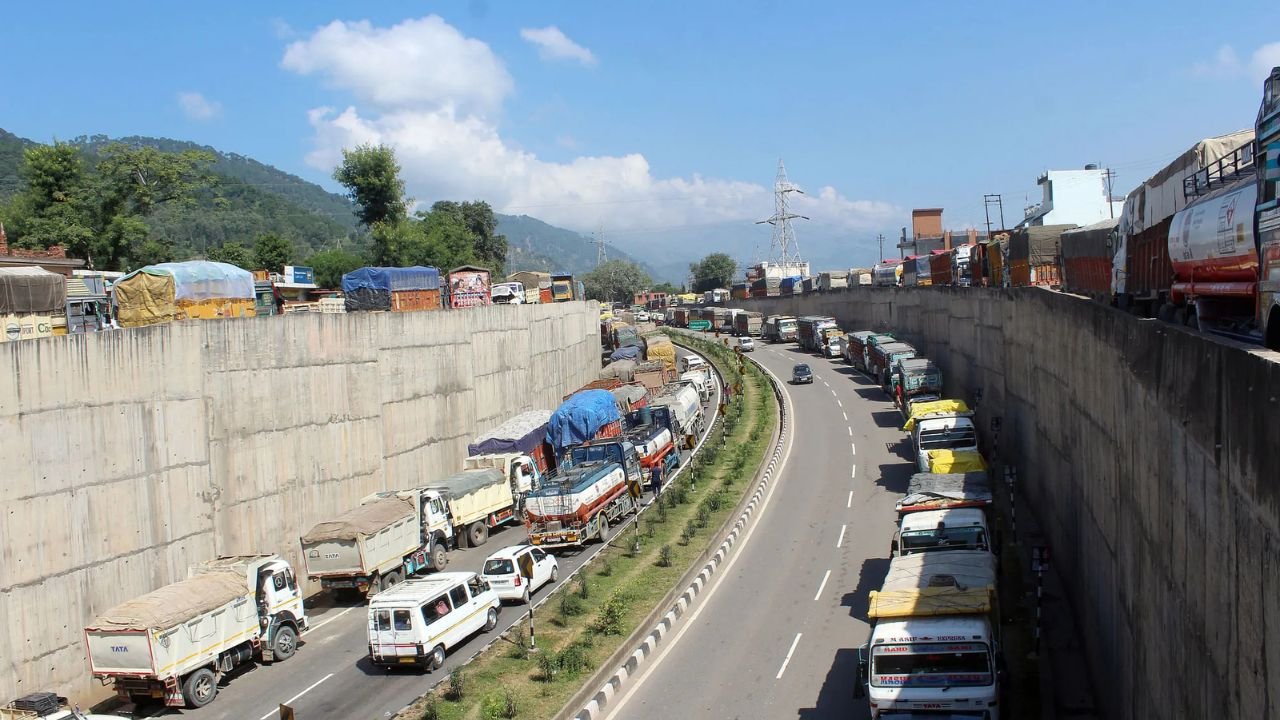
column 568, row 475
column 935, row 644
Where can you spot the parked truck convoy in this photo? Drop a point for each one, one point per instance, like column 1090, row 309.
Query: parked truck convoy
column 940, row 426
column 176, row 643
column 396, row 534
column 748, row 324
column 808, row 328
column 943, row 513
column 934, row 648
column 915, row 380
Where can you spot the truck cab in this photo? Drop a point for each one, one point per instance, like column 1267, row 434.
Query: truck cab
column 621, row 452
column 276, row 593
column 934, row 649
column 939, row 426
column 940, row 530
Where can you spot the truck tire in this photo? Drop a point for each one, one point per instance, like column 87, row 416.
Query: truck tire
column 392, row 579
column 439, row 558
column 284, row 644
column 477, row 534
column 603, row 534
column 200, row 688
column 436, row 659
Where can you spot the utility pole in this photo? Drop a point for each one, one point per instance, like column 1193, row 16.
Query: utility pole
column 783, row 246
column 987, row 202
column 881, row 237
column 1109, row 174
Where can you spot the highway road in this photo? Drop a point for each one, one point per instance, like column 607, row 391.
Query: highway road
column 777, row 637
column 330, row 678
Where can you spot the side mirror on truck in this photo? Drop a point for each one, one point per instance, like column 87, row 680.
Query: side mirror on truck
column 859, row 685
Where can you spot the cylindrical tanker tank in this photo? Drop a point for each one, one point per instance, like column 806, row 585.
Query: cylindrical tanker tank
column 1212, row 244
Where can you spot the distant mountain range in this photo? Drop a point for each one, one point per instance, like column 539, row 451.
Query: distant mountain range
column 252, row 197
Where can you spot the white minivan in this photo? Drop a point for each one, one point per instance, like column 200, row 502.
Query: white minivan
column 416, row 622
column 691, row 362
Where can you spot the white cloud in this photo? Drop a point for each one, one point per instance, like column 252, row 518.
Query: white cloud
column 1226, row 63
column 553, row 44
column 423, row 63
column 197, row 107
column 448, row 148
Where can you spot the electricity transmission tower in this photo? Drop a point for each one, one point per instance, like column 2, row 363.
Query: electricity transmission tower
column 783, row 247
column 601, row 255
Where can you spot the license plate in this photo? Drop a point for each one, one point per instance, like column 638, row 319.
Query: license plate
column 408, row 660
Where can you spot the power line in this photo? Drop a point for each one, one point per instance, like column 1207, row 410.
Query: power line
column 783, row 245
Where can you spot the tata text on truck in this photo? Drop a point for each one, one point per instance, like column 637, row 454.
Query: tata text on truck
column 176, row 643
column 934, row 648
column 938, row 426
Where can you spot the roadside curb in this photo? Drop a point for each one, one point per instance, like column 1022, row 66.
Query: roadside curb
column 599, row 701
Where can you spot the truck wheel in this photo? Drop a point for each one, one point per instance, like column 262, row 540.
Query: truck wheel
column 491, row 620
column 200, row 688
column 478, row 534
column 436, row 659
column 604, row 529
column 285, row 643
column 390, row 580
column 439, row 558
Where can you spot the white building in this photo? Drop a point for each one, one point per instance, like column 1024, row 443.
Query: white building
column 1073, row 197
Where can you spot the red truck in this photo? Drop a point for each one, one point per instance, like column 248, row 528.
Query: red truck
column 1224, row 246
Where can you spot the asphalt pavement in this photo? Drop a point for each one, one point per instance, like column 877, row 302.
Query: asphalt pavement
column 331, row 678
column 778, row 636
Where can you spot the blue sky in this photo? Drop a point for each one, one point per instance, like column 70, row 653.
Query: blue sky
column 661, row 122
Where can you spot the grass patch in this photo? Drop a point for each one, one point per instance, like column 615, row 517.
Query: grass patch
column 619, row 587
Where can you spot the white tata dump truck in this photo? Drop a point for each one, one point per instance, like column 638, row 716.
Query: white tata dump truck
column 399, row 533
column 943, row 513
column 934, row 648
column 175, row 644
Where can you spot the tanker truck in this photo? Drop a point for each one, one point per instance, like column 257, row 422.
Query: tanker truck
column 1224, row 245
column 175, row 644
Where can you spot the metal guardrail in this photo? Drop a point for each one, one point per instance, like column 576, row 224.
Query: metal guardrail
column 1220, row 173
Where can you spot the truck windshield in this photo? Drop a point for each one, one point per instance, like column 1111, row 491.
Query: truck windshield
column 594, row 453
column 951, row 438
column 931, row 665
column 787, row 326
column 963, row 538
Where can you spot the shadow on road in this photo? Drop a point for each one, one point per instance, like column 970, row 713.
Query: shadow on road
column 835, row 698
column 895, row 477
column 871, row 392
column 885, row 418
column 872, row 577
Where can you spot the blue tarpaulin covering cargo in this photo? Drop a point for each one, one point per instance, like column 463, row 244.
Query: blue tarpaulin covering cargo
column 630, row 352
column 370, row 288
column 522, row 433
column 791, row 284
column 579, row 418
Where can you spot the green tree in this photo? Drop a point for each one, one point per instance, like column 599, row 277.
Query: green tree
column 488, row 247
column 234, row 253
column 713, row 271
column 272, row 252
column 615, row 281
column 331, row 265
column 371, row 176
column 668, row 288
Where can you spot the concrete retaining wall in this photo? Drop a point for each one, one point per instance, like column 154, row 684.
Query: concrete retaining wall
column 129, row 456
column 1151, row 457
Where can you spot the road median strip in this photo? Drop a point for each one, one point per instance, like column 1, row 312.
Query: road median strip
column 587, row 629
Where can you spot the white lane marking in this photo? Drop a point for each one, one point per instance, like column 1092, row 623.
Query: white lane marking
column 295, row 697
column 841, row 540
column 319, row 625
column 846, row 415
column 822, row 585
column 706, row 599
column 824, row 382
column 853, row 448
column 850, row 503
column 853, row 472
column 838, row 401
column 833, row 392
column 851, row 431
column 787, row 659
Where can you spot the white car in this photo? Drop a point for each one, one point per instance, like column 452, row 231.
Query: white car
column 642, row 316
column 746, row 344
column 502, row 572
